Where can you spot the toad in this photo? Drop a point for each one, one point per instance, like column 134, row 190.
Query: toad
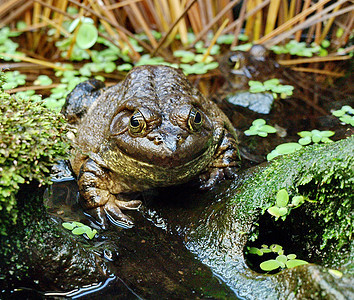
column 153, row 129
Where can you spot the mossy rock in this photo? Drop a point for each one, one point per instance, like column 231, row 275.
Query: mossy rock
column 31, row 138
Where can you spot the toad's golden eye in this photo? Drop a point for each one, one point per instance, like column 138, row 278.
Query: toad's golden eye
column 137, row 123
column 195, row 120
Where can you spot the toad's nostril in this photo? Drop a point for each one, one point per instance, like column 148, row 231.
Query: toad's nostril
column 158, row 140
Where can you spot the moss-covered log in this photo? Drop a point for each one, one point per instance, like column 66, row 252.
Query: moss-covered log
column 320, row 230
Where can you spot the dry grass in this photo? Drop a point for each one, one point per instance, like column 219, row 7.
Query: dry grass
column 266, row 22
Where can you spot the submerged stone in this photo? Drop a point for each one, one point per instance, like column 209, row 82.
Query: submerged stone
column 257, row 102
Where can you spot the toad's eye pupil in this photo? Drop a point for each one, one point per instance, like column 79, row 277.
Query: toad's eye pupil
column 134, row 122
column 197, row 118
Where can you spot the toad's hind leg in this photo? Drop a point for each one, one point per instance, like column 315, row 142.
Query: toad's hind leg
column 94, row 186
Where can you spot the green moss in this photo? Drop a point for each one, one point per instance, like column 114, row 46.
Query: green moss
column 31, row 139
column 323, row 173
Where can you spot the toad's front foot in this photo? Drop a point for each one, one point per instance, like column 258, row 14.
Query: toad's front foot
column 95, row 186
column 112, row 211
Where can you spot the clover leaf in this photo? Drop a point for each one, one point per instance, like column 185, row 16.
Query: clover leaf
column 78, row 228
column 281, row 261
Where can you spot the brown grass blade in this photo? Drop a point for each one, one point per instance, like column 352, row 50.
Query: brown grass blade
column 213, row 41
column 143, row 24
column 304, row 8
column 248, row 14
column 240, row 19
column 289, row 62
column 34, row 61
column 121, row 4
column 15, row 13
column 328, row 25
column 311, row 21
column 162, row 41
column 291, row 22
column 317, row 71
column 217, row 18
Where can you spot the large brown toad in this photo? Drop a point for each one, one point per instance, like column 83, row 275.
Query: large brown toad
column 153, row 129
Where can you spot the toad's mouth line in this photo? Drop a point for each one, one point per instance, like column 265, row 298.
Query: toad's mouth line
column 168, row 161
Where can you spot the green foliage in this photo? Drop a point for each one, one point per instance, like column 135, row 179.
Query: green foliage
column 13, row 79
column 315, row 136
column 243, row 47
column 260, row 128
column 282, row 149
column 280, row 262
column 7, row 45
column 345, row 115
column 43, row 80
column 272, row 85
column 229, row 38
column 282, row 207
column 301, row 49
column 31, row 138
column 78, row 228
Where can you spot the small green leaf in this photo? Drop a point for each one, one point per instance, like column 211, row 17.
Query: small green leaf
column 282, row 259
column 274, row 211
column 327, row 133
column 91, row 233
column 339, row 113
column 79, row 224
column 295, row 262
column 305, row 133
column 276, row 248
column 287, row 148
column 43, row 80
column 69, row 226
column 124, row 67
column 79, row 230
column 282, row 198
column 291, row 256
column 86, row 36
column 258, row 122
column 254, row 250
column 305, row 140
column 297, row 200
column 335, row 273
column 325, row 43
column 316, row 138
column 262, row 134
column 269, row 265
column 283, row 211
column 339, row 32
column 268, row 129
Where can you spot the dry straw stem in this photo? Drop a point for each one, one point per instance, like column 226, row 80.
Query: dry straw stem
column 291, row 22
column 305, row 7
column 272, row 15
column 34, row 61
column 14, row 9
column 328, row 25
column 239, row 21
column 317, row 71
column 213, row 41
column 311, row 21
column 312, row 60
column 214, row 20
column 163, row 40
